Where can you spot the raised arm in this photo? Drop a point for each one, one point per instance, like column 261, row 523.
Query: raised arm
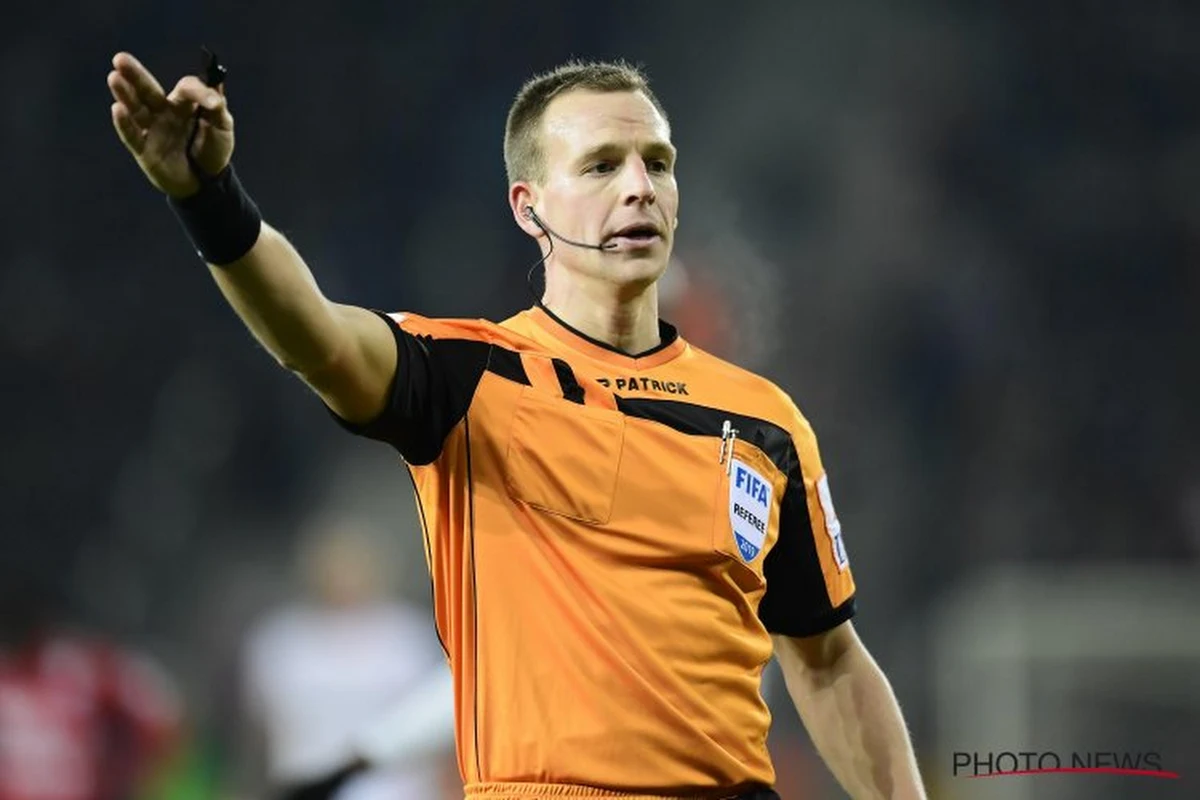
column 346, row 354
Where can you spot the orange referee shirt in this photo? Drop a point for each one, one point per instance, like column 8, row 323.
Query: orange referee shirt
column 612, row 539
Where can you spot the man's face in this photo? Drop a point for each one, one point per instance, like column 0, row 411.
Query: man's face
column 609, row 179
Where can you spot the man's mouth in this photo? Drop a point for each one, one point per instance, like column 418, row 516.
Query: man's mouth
column 640, row 234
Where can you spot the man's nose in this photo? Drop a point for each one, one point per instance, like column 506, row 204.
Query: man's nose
column 639, row 188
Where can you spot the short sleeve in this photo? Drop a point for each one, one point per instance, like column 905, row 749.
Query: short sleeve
column 810, row 588
column 434, row 382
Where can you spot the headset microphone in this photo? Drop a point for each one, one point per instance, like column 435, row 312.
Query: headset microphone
column 531, row 214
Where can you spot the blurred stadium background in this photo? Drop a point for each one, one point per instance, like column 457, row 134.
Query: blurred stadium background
column 965, row 237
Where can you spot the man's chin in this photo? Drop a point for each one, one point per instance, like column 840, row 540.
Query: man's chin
column 635, row 271
column 627, row 269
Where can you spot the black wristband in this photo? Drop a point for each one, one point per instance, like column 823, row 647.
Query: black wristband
column 220, row 219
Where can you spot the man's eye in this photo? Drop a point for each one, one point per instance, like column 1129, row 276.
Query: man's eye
column 657, row 165
column 602, row 167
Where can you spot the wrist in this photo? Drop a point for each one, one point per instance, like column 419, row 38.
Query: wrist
column 219, row 217
column 183, row 191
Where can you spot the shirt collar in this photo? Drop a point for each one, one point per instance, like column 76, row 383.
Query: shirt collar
column 670, row 346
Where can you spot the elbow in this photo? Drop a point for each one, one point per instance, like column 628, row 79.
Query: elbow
column 299, row 367
column 318, row 369
column 318, row 359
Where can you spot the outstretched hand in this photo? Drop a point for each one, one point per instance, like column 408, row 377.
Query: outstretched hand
column 155, row 127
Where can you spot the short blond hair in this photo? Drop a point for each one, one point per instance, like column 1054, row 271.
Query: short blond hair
column 523, row 157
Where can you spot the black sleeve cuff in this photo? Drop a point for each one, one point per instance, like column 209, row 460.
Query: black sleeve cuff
column 811, row 626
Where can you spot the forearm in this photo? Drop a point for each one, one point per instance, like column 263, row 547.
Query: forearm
column 274, row 293
column 346, row 354
column 853, row 717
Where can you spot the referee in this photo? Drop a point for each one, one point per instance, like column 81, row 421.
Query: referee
column 621, row 528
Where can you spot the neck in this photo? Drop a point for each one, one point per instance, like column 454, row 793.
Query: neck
column 623, row 318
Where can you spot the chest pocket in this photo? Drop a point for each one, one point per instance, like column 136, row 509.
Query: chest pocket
column 563, row 455
column 749, row 492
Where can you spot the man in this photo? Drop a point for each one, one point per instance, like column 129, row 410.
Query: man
column 322, row 676
column 620, row 528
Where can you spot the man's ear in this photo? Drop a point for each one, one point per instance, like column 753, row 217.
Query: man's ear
column 521, row 199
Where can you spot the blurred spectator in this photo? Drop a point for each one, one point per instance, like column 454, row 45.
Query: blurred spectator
column 322, row 673
column 81, row 718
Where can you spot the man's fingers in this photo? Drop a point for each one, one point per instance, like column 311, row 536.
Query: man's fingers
column 191, row 92
column 130, row 132
column 216, row 110
column 148, row 90
column 124, row 94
